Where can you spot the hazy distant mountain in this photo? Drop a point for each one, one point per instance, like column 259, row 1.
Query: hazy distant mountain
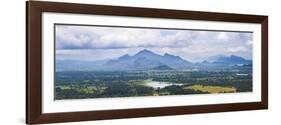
column 205, row 62
column 162, row 67
column 232, row 60
column 213, row 58
column 148, row 60
column 62, row 65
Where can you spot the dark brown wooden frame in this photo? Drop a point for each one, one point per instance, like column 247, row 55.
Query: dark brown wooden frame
column 34, row 11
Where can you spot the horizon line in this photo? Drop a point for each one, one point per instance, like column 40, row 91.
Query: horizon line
column 166, row 53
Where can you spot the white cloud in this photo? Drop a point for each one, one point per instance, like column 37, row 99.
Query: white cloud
column 223, row 36
column 108, row 42
column 237, row 49
column 249, row 42
column 80, row 37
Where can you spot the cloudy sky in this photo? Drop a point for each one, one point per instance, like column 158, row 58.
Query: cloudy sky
column 99, row 43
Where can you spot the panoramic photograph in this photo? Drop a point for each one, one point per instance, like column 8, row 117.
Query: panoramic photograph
column 110, row 61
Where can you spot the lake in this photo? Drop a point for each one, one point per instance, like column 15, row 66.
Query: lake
column 156, row 84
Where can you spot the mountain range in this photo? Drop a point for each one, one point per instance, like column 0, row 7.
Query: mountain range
column 147, row 60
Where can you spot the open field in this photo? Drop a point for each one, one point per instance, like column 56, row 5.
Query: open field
column 212, row 89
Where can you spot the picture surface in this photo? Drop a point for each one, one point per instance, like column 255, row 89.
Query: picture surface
column 111, row 61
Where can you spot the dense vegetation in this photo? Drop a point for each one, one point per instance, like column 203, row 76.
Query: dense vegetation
column 102, row 84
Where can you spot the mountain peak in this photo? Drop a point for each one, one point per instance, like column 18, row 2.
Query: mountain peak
column 206, row 62
column 167, row 54
column 124, row 56
column 145, row 52
column 233, row 56
column 170, row 55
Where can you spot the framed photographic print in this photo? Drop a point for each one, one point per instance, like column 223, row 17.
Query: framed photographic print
column 94, row 62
